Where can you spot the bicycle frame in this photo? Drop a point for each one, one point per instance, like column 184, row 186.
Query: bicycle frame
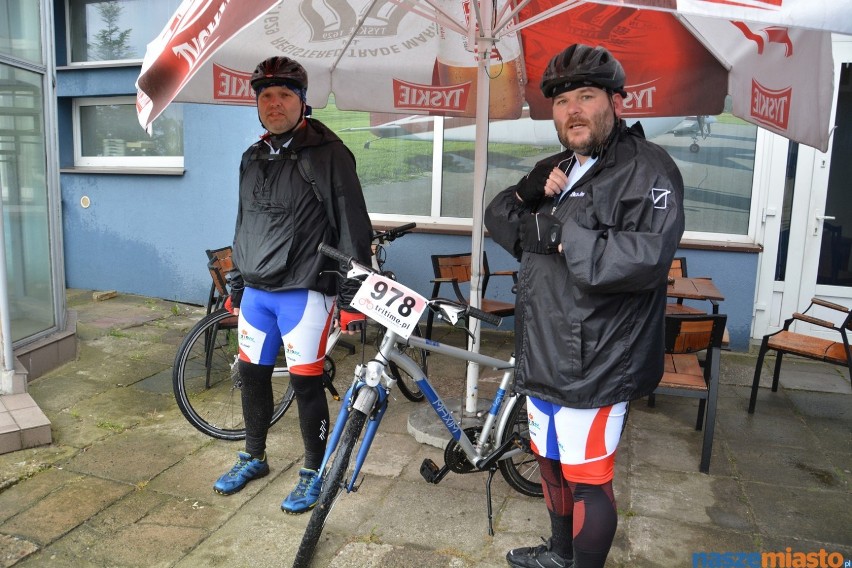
column 370, row 395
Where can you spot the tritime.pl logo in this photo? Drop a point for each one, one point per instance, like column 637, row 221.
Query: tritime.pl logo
column 784, row 559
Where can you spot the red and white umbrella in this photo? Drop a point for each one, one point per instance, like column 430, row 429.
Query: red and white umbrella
column 485, row 59
column 421, row 57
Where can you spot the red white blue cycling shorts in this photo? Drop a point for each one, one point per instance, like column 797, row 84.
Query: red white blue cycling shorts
column 584, row 440
column 298, row 319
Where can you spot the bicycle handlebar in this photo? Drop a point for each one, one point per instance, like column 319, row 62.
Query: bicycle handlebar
column 391, row 234
column 332, row 252
column 465, row 309
column 484, row 316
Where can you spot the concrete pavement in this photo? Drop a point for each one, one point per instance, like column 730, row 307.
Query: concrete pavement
column 127, row 481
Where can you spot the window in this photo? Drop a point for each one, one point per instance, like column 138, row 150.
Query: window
column 115, row 30
column 407, row 168
column 107, row 134
column 20, row 30
column 25, row 191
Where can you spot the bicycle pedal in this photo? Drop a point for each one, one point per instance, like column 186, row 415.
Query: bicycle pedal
column 431, row 472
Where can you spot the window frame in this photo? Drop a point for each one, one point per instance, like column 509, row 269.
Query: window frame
column 69, row 49
column 437, row 221
column 136, row 162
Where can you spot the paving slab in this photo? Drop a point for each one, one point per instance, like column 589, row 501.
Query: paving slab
column 127, row 482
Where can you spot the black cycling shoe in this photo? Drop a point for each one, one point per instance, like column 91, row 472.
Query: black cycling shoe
column 540, row 556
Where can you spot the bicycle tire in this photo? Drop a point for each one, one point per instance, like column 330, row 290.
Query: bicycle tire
column 405, row 382
column 205, row 388
column 332, row 486
column 521, row 472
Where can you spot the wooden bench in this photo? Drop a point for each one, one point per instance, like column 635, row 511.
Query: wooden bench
column 816, row 348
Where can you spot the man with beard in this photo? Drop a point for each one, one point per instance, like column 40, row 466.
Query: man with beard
column 595, row 228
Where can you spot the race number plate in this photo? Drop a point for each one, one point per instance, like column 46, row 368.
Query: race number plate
column 389, row 303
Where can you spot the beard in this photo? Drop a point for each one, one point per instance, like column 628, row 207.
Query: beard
column 599, row 125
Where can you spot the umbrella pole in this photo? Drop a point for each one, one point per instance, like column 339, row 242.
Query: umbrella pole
column 483, row 91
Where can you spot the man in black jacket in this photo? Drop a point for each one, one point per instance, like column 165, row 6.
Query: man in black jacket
column 298, row 188
column 595, row 228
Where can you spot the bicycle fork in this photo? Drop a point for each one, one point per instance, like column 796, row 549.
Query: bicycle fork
column 372, row 401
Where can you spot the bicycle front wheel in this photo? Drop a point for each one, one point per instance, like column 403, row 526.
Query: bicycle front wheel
column 406, row 383
column 205, row 380
column 521, row 471
column 332, row 485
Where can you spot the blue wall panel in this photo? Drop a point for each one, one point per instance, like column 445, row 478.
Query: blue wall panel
column 146, row 234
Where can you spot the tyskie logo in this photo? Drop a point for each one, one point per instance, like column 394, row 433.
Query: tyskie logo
column 331, row 20
column 770, row 106
column 411, row 96
column 230, row 86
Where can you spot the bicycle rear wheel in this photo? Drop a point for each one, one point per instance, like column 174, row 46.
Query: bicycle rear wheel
column 406, row 383
column 205, row 380
column 332, row 485
column 521, row 471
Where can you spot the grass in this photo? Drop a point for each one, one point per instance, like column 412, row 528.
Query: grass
column 395, row 159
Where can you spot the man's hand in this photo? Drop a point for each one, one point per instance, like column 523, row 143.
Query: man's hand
column 352, row 322
column 229, row 304
column 531, row 188
column 540, row 233
column 236, row 285
column 542, row 181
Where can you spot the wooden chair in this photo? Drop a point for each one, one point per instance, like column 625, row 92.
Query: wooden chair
column 455, row 269
column 678, row 270
column 219, row 263
column 686, row 336
column 803, row 345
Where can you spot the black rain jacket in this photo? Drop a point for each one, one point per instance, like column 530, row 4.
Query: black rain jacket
column 283, row 218
column 589, row 323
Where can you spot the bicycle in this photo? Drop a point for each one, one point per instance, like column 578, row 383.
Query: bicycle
column 205, row 381
column 501, row 441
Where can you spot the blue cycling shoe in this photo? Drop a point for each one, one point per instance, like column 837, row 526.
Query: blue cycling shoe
column 305, row 495
column 246, row 469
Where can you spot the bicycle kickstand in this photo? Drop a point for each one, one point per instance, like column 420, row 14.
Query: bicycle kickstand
column 491, row 471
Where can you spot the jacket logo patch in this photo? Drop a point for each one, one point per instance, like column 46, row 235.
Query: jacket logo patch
column 577, row 194
column 660, row 197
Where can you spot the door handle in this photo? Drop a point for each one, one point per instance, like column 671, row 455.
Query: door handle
column 820, row 219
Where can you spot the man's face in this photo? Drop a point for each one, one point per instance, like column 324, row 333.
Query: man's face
column 279, row 109
column 584, row 118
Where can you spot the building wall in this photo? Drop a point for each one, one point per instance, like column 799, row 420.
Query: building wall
column 146, row 234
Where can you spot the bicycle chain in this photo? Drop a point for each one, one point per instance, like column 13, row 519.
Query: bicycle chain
column 455, row 457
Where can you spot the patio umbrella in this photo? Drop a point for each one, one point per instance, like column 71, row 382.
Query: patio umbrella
column 484, row 59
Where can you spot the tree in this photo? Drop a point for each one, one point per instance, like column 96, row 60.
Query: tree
column 111, row 42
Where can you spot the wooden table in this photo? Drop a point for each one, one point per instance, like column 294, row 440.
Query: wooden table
column 693, row 289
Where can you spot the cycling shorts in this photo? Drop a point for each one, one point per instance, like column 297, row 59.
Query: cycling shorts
column 584, row 440
column 298, row 319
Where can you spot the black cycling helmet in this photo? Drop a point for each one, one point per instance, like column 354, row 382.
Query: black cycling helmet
column 281, row 71
column 582, row 66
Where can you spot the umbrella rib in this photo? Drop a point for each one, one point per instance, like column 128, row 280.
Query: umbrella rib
column 354, row 33
column 559, row 8
column 437, row 15
column 503, row 20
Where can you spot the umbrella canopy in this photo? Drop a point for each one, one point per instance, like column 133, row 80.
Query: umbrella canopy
column 422, row 56
column 485, row 59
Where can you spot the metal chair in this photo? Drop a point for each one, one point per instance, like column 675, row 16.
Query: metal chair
column 686, row 336
column 803, row 345
column 219, row 264
column 455, row 270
